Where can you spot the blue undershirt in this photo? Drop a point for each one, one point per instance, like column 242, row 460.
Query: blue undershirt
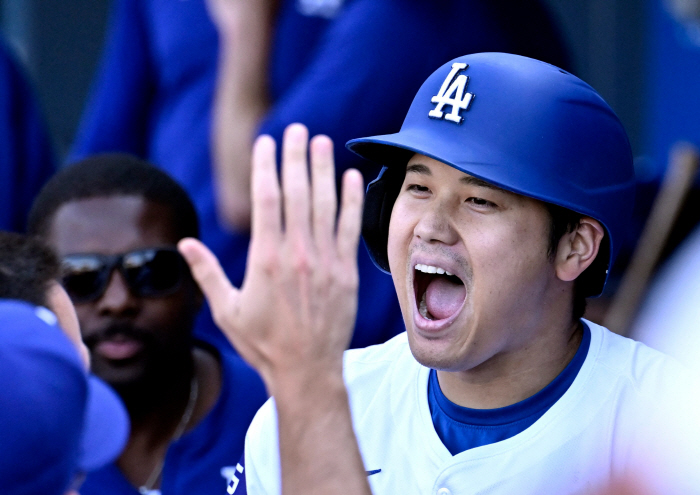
column 461, row 428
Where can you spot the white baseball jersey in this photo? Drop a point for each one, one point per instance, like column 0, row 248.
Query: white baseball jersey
column 668, row 319
column 606, row 424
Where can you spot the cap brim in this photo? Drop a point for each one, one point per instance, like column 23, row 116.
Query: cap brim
column 388, row 149
column 106, row 428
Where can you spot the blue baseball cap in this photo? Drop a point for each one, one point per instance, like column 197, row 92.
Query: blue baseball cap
column 523, row 125
column 56, row 420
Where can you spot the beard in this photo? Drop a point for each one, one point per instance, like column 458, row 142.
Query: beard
column 139, row 362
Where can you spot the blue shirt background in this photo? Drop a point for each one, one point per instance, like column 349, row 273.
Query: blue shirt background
column 193, row 464
column 26, row 153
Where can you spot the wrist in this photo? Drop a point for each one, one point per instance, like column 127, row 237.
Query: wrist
column 305, row 385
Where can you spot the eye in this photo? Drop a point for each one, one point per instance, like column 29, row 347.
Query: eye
column 480, row 202
column 418, row 189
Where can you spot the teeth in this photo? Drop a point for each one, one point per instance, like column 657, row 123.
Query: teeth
column 432, row 269
column 423, row 309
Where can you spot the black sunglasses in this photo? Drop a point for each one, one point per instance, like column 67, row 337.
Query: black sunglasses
column 147, row 272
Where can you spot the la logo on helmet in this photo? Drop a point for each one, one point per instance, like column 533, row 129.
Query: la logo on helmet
column 452, row 92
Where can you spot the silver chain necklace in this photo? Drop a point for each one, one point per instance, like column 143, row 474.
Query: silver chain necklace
column 147, row 488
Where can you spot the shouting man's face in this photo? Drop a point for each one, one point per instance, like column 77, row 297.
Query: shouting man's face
column 470, row 265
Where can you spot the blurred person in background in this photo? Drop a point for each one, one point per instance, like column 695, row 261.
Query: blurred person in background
column 114, row 221
column 56, row 421
column 343, row 68
column 669, row 316
column 31, row 272
column 26, row 154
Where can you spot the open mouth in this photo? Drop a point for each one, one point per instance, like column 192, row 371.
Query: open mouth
column 439, row 293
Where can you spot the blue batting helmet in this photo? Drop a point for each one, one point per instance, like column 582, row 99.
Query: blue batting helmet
column 521, row 124
column 56, row 420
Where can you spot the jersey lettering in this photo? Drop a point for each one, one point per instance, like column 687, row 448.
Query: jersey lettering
column 231, row 475
column 452, row 93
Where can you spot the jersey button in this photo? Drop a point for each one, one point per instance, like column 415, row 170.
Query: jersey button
column 444, row 491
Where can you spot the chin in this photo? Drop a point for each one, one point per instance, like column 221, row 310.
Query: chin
column 455, row 350
column 440, row 363
column 433, row 353
column 118, row 375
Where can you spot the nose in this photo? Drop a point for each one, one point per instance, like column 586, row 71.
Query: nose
column 434, row 225
column 117, row 299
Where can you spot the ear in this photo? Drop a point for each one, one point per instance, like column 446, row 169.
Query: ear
column 577, row 250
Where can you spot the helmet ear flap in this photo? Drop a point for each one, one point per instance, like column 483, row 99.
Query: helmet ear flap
column 379, row 202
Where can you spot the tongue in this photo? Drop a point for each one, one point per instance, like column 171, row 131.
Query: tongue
column 443, row 298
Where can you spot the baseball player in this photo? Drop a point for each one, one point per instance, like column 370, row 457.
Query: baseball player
column 500, row 206
column 57, row 420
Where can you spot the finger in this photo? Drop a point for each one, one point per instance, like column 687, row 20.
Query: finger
column 265, row 195
column 209, row 275
column 350, row 219
column 325, row 203
column 295, row 181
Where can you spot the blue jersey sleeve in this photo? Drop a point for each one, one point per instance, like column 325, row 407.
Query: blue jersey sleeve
column 26, row 152
column 117, row 113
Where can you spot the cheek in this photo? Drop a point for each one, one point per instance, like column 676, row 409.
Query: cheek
column 396, row 252
column 170, row 317
column 84, row 312
column 400, row 234
column 401, row 229
column 514, row 257
column 163, row 312
column 399, row 239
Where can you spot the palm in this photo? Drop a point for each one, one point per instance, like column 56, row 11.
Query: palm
column 298, row 301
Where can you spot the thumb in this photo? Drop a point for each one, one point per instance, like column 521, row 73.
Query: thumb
column 207, row 272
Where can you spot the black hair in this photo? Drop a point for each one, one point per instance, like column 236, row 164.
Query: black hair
column 589, row 283
column 27, row 268
column 113, row 174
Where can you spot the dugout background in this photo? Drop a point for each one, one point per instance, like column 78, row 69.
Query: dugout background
column 629, row 50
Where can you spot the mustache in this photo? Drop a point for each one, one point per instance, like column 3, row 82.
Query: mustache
column 122, row 329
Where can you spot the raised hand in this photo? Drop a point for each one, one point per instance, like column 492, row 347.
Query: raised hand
column 296, row 309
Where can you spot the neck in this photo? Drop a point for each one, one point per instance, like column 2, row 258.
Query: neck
column 510, row 377
column 156, row 401
column 151, row 435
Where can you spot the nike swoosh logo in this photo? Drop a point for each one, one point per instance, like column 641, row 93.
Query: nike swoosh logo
column 370, row 473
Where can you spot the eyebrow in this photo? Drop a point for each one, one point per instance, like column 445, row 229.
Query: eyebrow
column 468, row 180
column 417, row 168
